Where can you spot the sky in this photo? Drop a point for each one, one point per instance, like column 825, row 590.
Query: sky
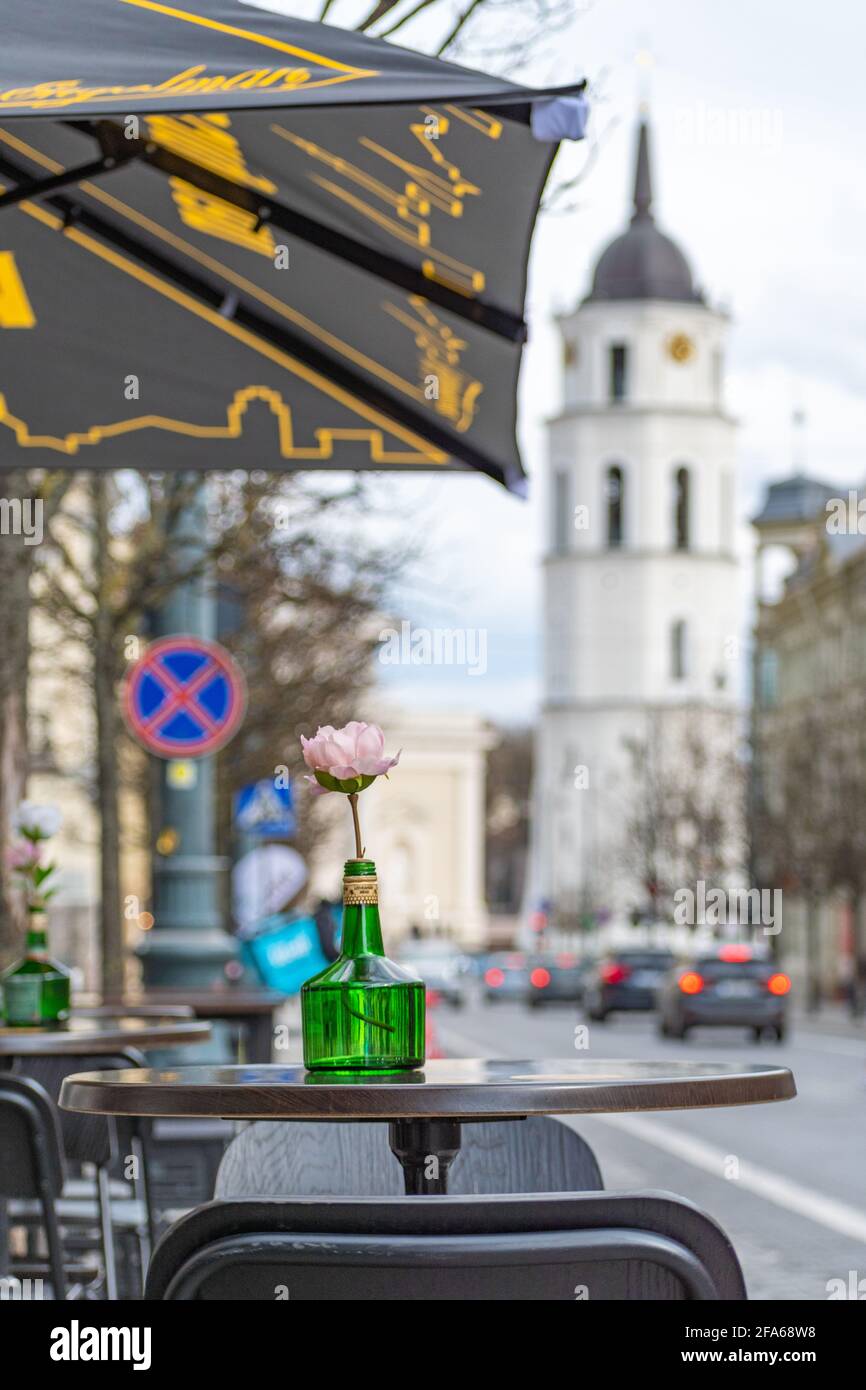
column 759, row 123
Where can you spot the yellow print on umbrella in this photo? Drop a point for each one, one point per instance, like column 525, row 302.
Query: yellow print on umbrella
column 404, row 213
column 455, row 393
column 193, row 81
column 15, row 308
column 206, row 141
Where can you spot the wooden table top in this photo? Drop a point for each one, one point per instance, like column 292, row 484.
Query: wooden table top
column 86, row 1036
column 471, row 1089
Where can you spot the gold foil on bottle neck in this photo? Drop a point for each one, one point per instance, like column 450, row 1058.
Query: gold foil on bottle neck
column 361, row 891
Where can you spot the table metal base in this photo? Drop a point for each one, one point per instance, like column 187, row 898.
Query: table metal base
column 425, row 1150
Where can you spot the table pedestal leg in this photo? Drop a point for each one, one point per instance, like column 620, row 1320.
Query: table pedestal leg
column 425, row 1149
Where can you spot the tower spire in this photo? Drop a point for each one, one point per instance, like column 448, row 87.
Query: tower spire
column 643, row 193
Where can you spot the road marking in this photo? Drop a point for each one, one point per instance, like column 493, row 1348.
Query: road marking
column 762, row 1182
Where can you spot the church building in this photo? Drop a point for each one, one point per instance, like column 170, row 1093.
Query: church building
column 641, row 601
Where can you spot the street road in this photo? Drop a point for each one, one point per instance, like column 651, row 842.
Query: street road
column 786, row 1181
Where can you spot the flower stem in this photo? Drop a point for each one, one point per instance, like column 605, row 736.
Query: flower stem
column 359, row 848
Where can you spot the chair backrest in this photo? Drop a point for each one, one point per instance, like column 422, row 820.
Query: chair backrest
column 31, row 1152
column 568, row 1247
column 86, row 1138
column 321, row 1159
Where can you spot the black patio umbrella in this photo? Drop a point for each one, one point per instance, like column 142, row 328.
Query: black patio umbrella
column 229, row 239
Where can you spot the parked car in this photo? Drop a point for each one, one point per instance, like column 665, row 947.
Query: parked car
column 556, row 978
column 440, row 965
column 506, row 976
column 625, row 981
column 734, row 986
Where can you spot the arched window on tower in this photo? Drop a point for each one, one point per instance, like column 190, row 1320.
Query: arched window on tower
column 679, row 654
column 614, row 488
column 682, row 509
column 618, row 371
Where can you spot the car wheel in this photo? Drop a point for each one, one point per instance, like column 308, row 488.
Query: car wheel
column 780, row 1032
column 757, row 1034
column 596, row 1016
column 663, row 1028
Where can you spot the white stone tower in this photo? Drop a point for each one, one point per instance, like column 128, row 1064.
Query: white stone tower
column 641, row 604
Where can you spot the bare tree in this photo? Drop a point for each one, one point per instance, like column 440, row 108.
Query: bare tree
column 306, row 590
column 17, row 556
column 683, row 819
column 794, row 812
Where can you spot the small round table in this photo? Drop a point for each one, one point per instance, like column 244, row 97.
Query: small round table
column 87, row 1036
column 425, row 1109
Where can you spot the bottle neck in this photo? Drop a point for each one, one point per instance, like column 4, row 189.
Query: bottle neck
column 362, row 930
column 36, row 945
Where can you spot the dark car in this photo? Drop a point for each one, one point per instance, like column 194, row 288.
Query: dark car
column 556, row 978
column 732, row 987
column 506, row 976
column 440, row 965
column 625, row 981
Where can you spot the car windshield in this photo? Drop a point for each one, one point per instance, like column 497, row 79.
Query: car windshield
column 712, row 968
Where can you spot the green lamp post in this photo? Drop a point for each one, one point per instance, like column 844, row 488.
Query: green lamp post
column 188, row 944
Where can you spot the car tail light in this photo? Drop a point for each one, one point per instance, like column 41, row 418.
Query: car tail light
column 614, row 974
column 540, row 977
column 735, row 954
column 494, row 978
column 691, row 982
column 779, row 984
column 434, row 999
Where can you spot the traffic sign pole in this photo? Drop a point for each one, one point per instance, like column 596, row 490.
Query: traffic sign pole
column 188, row 944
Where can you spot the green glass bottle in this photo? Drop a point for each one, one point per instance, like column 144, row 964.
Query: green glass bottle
column 364, row 1012
column 35, row 990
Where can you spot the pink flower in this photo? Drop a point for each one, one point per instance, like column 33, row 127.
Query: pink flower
column 354, row 756
column 24, row 856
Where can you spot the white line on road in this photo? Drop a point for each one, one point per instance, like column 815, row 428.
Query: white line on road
column 762, row 1182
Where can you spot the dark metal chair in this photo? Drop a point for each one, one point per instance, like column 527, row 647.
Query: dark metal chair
column 324, row 1159
column 31, row 1162
column 99, row 1140
column 564, row 1247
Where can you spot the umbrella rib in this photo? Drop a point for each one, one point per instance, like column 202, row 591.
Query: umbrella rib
column 38, row 188
column 73, row 212
column 491, row 317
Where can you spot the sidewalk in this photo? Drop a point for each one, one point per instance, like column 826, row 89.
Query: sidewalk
column 830, row 1018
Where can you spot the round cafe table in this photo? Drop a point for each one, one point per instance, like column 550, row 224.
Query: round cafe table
column 425, row 1109
column 85, row 1036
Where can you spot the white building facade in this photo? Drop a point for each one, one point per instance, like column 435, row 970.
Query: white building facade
column 641, row 603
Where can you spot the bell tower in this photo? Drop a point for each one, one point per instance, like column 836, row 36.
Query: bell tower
column 641, row 609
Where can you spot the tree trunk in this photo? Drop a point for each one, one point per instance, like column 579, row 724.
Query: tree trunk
column 111, row 935
column 16, row 560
